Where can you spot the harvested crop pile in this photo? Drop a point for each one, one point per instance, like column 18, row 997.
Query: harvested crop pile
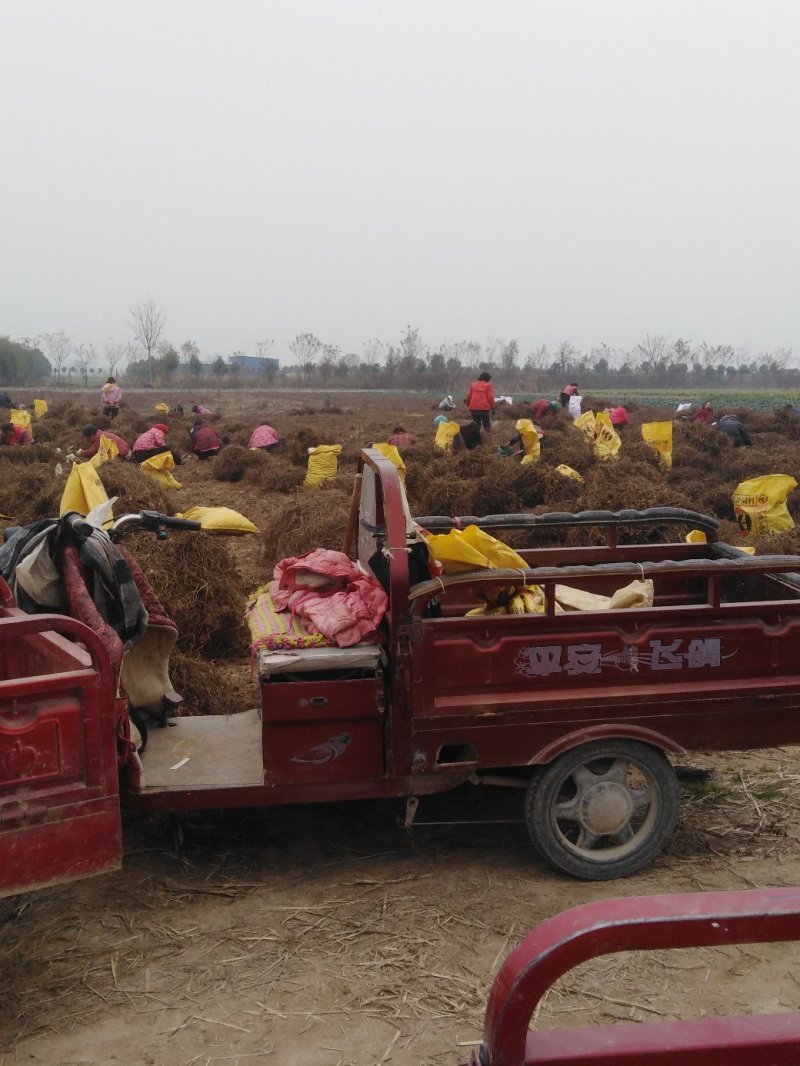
column 629, row 484
column 276, row 474
column 29, row 492
column 136, row 491
column 197, row 580
column 35, row 453
column 234, row 461
column 212, row 688
column 315, row 519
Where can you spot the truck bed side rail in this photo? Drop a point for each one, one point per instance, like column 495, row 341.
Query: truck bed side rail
column 649, row 516
column 547, row 575
column 641, row 923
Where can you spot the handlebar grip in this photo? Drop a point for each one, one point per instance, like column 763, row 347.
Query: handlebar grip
column 155, row 520
column 180, row 523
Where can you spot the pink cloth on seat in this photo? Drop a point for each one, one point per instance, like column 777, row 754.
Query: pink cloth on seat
column 333, row 595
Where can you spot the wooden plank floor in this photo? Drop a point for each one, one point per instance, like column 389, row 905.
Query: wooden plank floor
column 205, row 750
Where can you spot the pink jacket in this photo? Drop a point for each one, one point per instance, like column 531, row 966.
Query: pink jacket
column 333, row 595
column 153, row 438
column 111, row 395
column 262, row 437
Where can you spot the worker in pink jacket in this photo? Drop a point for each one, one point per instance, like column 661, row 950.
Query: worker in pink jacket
column 480, row 401
column 111, row 397
column 152, row 442
column 264, row 437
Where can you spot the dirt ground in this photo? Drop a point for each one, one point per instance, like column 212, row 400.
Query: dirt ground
column 332, row 936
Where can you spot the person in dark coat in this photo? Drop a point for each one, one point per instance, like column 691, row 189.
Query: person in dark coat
column 733, row 427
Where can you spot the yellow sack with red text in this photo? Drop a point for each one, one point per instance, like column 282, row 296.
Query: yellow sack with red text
column 20, row 418
column 83, row 491
column 606, row 439
column 585, row 423
column 162, row 408
column 530, row 441
column 759, row 504
column 659, row 436
column 39, row 408
column 108, row 450
column 159, row 468
column 323, row 463
column 394, row 456
column 446, row 432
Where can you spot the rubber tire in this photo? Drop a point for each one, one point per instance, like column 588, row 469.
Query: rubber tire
column 543, row 789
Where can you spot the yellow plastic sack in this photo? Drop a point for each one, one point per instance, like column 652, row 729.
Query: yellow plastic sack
column 760, row 504
column 697, row 536
column 659, row 436
column 159, row 468
column 20, row 418
column 108, row 450
column 567, row 471
column 446, row 432
column 219, row 520
column 471, row 548
column 323, row 463
column 162, row 408
column 606, row 439
column 530, row 441
column 391, row 453
column 39, row 408
column 83, row 490
column 585, row 423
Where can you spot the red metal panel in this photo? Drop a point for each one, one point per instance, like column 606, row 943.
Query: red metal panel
column 323, row 751
column 59, row 808
column 641, row 924
column 71, row 847
column 314, row 701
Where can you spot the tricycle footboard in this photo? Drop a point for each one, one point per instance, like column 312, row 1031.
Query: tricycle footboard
column 641, row 924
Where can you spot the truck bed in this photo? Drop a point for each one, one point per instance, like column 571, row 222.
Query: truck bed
column 205, row 751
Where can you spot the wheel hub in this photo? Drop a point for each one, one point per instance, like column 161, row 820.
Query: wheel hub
column 605, row 808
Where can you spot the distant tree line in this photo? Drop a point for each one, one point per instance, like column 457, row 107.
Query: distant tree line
column 655, row 362
column 22, row 363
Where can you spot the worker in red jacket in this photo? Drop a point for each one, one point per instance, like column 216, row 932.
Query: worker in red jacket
column 93, row 436
column 206, row 442
column 13, row 434
column 480, row 401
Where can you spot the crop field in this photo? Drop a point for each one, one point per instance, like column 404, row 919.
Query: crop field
column 331, row 936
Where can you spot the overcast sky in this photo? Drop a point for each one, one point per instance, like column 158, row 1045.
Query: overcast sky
column 592, row 170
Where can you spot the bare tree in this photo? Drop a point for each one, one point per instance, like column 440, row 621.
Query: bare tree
column 190, row 349
column 115, row 352
column 59, row 349
column 146, row 323
column 509, row 356
column 374, row 352
column 492, row 349
column 264, row 348
column 84, row 357
column 305, row 348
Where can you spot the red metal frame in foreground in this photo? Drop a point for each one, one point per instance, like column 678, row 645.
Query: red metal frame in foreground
column 642, row 923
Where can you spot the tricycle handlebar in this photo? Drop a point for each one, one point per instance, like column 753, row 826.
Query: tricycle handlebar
column 151, row 522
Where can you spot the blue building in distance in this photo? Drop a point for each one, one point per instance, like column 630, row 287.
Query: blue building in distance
column 255, row 365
